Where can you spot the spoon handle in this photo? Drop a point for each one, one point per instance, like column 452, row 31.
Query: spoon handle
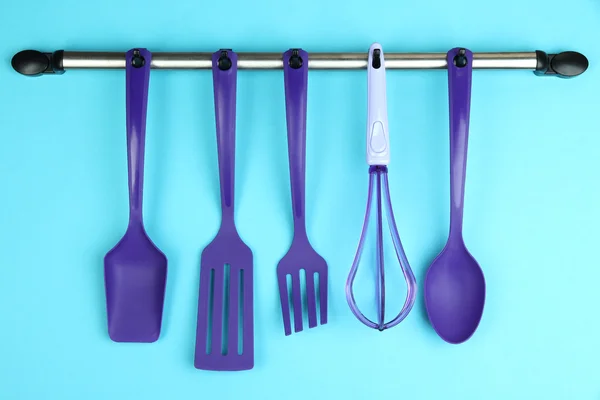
column 137, row 80
column 295, row 72
column 460, row 67
column 224, row 82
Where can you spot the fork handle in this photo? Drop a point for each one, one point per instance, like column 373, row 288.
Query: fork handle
column 137, row 81
column 224, row 67
column 295, row 72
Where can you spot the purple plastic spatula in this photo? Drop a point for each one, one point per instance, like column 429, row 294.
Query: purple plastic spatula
column 454, row 284
column 378, row 157
column 301, row 256
column 225, row 326
column 135, row 271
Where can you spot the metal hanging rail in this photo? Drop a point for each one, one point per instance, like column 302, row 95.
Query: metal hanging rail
column 566, row 64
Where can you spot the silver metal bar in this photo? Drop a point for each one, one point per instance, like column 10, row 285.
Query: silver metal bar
column 317, row 61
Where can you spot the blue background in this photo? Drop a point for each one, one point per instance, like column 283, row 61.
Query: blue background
column 531, row 218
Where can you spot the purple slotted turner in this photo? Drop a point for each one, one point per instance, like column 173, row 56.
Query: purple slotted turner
column 378, row 157
column 301, row 256
column 225, row 326
column 454, row 284
column 135, row 271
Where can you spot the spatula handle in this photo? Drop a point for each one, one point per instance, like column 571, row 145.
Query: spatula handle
column 460, row 69
column 137, row 81
column 295, row 71
column 224, row 67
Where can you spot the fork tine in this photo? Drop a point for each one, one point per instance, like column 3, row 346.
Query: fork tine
column 285, row 305
column 311, row 300
column 297, row 299
column 323, row 295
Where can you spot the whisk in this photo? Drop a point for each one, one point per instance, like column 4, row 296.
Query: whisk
column 378, row 157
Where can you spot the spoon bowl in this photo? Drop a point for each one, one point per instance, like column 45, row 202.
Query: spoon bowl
column 454, row 293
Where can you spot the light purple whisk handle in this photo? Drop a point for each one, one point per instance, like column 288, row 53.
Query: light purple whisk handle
column 378, row 142
column 378, row 156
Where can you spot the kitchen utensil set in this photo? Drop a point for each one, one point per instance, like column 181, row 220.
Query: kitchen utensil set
column 454, row 284
column 135, row 270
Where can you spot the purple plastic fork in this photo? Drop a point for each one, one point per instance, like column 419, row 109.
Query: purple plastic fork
column 301, row 256
column 225, row 326
column 135, row 271
column 378, row 157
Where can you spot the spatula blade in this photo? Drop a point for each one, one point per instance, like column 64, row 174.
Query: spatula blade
column 225, row 329
column 135, row 279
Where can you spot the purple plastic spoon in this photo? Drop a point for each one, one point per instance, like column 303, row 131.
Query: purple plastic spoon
column 225, row 326
column 454, row 284
column 135, row 271
column 301, row 255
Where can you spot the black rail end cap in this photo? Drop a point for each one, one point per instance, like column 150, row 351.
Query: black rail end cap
column 567, row 64
column 36, row 63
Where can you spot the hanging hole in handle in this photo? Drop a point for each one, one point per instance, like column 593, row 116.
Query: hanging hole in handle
column 376, row 59
column 460, row 60
column 295, row 60
column 138, row 60
column 224, row 62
